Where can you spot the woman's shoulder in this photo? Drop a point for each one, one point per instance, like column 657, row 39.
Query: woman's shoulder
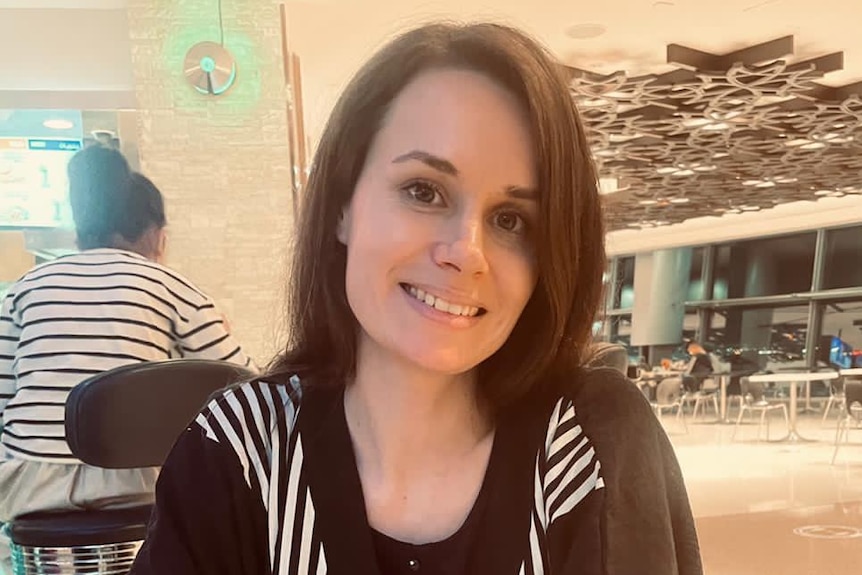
column 605, row 403
column 601, row 392
column 252, row 410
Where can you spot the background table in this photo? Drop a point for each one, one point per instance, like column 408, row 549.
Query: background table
column 794, row 378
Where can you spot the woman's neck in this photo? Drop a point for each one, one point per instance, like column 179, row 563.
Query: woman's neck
column 402, row 417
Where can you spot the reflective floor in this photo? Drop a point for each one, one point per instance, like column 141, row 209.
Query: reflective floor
column 764, row 508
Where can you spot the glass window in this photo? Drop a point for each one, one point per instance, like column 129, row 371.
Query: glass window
column 690, row 324
column 770, row 337
column 840, row 341
column 695, row 277
column 621, row 329
column 764, row 266
column 843, row 258
column 625, row 297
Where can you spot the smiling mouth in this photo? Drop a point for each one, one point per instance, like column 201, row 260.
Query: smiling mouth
column 441, row 304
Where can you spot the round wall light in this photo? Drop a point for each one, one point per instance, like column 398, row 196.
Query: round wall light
column 209, row 68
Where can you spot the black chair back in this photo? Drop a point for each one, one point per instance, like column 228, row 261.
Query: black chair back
column 131, row 416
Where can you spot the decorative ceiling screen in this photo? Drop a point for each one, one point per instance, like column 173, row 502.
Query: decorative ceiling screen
column 722, row 134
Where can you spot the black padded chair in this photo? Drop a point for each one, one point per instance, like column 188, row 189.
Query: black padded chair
column 121, row 419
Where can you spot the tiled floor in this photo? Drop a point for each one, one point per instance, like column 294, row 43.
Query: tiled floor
column 764, row 508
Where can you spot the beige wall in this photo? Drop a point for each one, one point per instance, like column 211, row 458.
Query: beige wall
column 222, row 162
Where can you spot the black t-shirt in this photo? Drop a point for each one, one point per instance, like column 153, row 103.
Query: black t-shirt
column 447, row 557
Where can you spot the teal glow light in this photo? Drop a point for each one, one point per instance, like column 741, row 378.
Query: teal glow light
column 207, row 64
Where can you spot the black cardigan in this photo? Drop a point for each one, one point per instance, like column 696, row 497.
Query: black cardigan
column 265, row 481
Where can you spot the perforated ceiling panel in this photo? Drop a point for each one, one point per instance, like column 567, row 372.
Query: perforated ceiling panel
column 722, row 133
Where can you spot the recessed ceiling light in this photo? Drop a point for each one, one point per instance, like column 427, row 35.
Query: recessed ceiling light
column 606, row 153
column 812, row 146
column 705, row 168
column 680, row 200
column 58, row 124
column 585, row 31
column 648, row 202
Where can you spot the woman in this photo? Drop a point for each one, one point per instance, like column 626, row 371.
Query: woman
column 112, row 304
column 430, row 413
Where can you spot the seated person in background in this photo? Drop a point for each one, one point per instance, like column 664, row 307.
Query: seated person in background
column 110, row 305
column 699, row 367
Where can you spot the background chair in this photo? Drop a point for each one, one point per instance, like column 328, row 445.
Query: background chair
column 707, row 389
column 124, row 418
column 836, row 398
column 610, row 355
column 669, row 396
column 754, row 401
column 852, row 413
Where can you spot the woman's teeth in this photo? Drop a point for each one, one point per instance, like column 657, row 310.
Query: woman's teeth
column 441, row 304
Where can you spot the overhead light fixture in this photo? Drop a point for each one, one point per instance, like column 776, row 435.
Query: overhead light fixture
column 594, row 102
column 648, row 202
column 680, row 200
column 606, row 153
column 716, row 126
column 813, row 146
column 58, row 124
column 585, row 31
column 608, row 186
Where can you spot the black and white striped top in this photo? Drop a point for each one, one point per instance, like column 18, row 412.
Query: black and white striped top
column 277, row 488
column 83, row 314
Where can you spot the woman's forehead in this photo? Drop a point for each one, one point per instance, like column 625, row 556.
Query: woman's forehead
column 464, row 117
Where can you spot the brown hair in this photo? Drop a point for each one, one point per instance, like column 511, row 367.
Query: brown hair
column 554, row 331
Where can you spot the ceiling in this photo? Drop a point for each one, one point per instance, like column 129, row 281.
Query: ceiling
column 628, row 41
column 32, row 124
column 630, row 37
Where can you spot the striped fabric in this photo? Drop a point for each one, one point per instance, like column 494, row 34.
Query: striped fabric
column 272, row 461
column 258, row 421
column 567, row 471
column 83, row 314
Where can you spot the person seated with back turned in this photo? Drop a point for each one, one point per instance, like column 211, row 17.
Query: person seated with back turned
column 699, row 367
column 110, row 305
column 434, row 411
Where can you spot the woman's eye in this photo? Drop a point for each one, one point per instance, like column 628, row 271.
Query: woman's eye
column 510, row 222
column 424, row 193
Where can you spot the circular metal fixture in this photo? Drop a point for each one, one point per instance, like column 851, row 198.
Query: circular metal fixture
column 209, row 68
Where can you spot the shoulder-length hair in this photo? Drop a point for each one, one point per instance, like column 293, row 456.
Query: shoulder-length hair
column 553, row 333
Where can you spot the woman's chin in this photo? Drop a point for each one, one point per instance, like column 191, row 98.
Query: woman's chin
column 445, row 363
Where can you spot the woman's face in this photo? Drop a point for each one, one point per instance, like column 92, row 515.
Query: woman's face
column 440, row 255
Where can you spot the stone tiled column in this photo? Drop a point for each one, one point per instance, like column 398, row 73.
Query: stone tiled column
column 222, row 162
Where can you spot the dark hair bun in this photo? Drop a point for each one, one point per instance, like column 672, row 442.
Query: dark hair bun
column 98, row 182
